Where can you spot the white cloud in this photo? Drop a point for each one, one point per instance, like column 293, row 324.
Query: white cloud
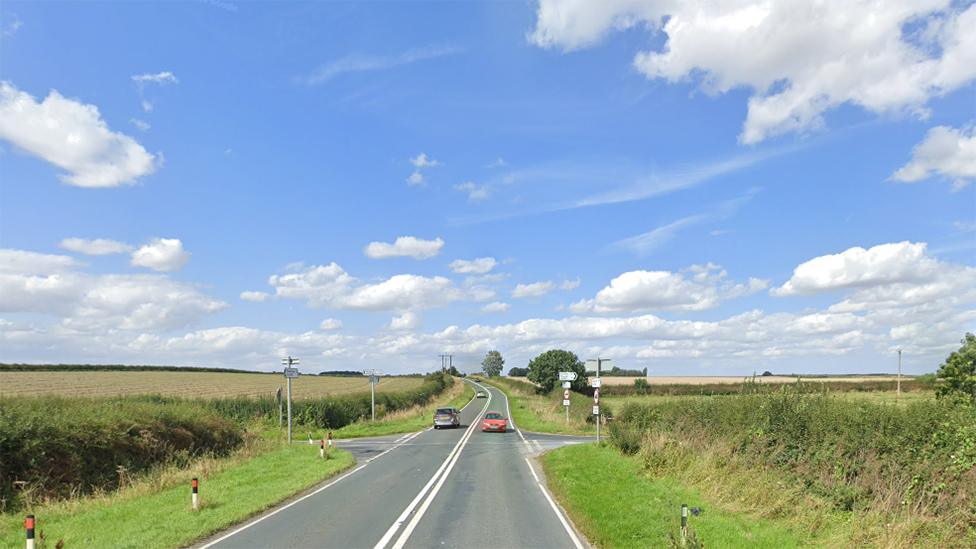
column 945, row 151
column 72, row 136
column 664, row 290
column 645, row 243
column 569, row 284
column 475, row 192
column 535, row 289
column 10, row 24
column 140, row 124
column 356, row 63
column 161, row 254
column 147, row 105
column 800, row 59
column 255, row 297
column 415, row 179
column 97, row 246
column 497, row 163
column 330, row 324
column 423, row 161
column 496, row 307
column 405, row 246
column 331, row 287
column 25, row 262
column 860, row 268
column 480, row 265
column 406, row 321
column 164, row 77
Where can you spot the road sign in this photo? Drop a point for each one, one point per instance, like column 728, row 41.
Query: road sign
column 291, row 372
column 596, row 396
column 566, row 384
column 595, row 382
column 566, row 394
column 596, row 410
column 565, row 403
column 289, row 361
column 567, row 376
column 374, row 379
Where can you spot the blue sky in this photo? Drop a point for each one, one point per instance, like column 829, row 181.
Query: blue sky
column 709, row 194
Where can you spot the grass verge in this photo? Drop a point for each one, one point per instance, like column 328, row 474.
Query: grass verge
column 615, row 505
column 409, row 420
column 146, row 517
column 545, row 414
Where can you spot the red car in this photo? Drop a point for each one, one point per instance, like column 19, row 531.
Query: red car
column 494, row 422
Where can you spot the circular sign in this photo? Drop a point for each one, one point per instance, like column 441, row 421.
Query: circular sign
column 596, row 396
column 566, row 394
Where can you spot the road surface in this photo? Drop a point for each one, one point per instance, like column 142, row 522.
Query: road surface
column 437, row 488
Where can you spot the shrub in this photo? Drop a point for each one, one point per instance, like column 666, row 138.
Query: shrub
column 958, row 373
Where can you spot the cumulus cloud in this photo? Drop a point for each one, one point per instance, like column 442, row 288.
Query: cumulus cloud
column 406, row 321
column 496, row 307
column 161, row 254
column 72, row 136
column 475, row 192
column 535, row 289
column 330, row 324
column 945, row 151
column 423, row 161
column 859, row 267
column 415, row 179
column 405, row 246
column 97, row 246
column 255, row 297
column 480, row 265
column 26, row 262
column 569, row 284
column 664, row 290
column 799, row 59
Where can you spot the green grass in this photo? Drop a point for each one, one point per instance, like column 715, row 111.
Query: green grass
column 615, row 505
column 406, row 421
column 888, row 397
column 545, row 414
column 164, row 519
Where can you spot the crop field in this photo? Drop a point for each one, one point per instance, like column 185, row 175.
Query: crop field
column 187, row 384
column 709, row 380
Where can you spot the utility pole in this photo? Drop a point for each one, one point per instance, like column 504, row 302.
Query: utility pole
column 290, row 373
column 899, row 375
column 445, row 358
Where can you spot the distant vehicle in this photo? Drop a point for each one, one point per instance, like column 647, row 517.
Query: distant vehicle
column 447, row 417
column 494, row 422
column 480, row 394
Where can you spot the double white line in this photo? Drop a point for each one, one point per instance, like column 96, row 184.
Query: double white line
column 436, row 481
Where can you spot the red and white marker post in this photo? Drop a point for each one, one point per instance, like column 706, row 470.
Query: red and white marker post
column 330, row 439
column 322, row 448
column 195, row 496
column 29, row 527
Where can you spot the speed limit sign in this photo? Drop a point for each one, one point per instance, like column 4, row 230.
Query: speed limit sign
column 596, row 396
column 566, row 394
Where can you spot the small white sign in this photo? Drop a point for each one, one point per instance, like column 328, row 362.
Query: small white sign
column 566, row 384
column 291, row 372
column 566, row 402
column 374, row 379
column 595, row 382
column 596, row 410
column 567, row 376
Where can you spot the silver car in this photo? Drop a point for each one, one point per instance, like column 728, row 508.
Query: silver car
column 447, row 417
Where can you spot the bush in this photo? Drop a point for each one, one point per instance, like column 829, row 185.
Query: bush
column 641, row 385
column 958, row 373
column 544, row 369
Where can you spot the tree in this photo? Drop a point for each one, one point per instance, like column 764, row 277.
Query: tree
column 958, row 374
column 767, row 373
column 518, row 372
column 544, row 369
column 492, row 364
column 454, row 371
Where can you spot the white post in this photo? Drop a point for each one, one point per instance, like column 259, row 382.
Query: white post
column 289, row 410
column 195, row 497
column 899, row 373
column 372, row 399
column 29, row 528
column 598, row 360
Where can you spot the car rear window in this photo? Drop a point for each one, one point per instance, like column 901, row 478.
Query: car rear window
column 445, row 411
column 493, row 415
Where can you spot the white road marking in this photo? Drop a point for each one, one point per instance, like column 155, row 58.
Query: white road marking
column 438, row 477
column 306, row 496
column 555, row 508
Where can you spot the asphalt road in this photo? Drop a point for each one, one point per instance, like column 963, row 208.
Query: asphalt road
column 436, row 488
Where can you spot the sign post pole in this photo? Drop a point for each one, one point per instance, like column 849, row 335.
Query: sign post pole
column 289, row 374
column 567, row 378
column 598, row 362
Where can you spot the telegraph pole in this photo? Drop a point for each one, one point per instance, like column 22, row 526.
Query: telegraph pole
column 899, row 374
column 290, row 373
column 445, row 358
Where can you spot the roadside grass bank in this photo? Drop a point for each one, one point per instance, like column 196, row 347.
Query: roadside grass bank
column 405, row 421
column 616, row 402
column 845, row 471
column 545, row 413
column 155, row 511
column 615, row 504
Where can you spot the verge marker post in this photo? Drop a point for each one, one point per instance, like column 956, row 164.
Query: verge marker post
column 195, row 496
column 684, row 523
column 330, row 439
column 322, row 448
column 29, row 527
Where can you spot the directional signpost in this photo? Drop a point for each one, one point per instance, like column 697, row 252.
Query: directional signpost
column 374, row 378
column 595, row 383
column 567, row 378
column 290, row 374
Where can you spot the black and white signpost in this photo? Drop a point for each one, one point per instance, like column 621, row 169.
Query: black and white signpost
column 567, row 378
column 595, row 383
column 290, row 374
column 374, row 378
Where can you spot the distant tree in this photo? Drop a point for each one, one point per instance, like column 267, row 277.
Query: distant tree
column 454, row 371
column 958, row 373
column 767, row 373
column 544, row 369
column 492, row 364
column 518, row 372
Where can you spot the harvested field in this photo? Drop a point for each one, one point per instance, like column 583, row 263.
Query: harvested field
column 187, row 384
column 708, row 380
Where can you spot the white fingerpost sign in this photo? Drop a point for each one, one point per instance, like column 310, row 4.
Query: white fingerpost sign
column 567, row 376
column 290, row 374
column 595, row 382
